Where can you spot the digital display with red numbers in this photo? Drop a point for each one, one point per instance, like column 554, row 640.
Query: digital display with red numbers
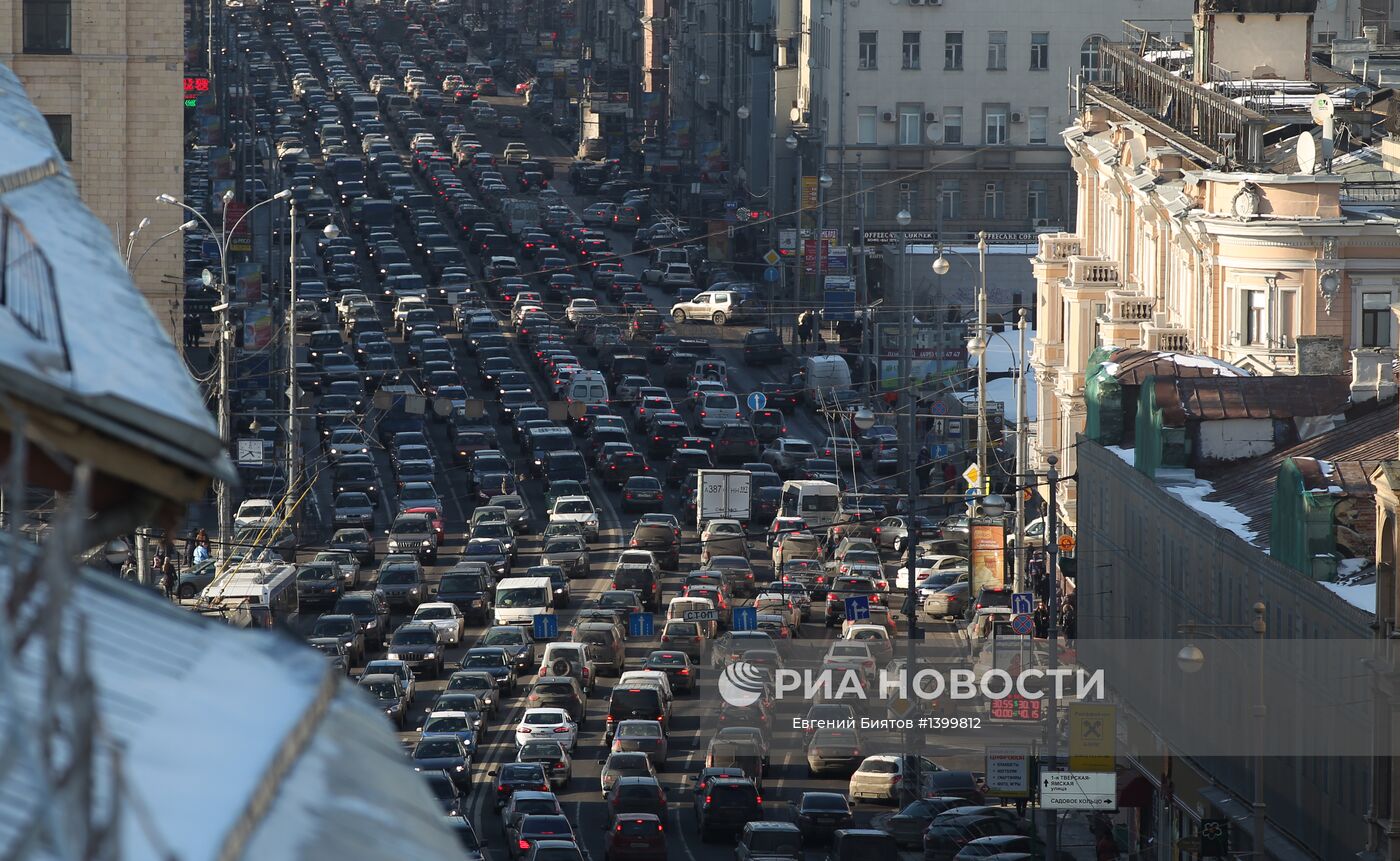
column 196, row 85
column 1016, row 707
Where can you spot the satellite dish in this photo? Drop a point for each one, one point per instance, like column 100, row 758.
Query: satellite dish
column 934, row 133
column 1137, row 150
column 1323, row 108
column 1307, row 153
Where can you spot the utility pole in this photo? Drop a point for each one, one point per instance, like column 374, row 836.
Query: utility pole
column 906, row 347
column 1052, row 720
column 1020, row 490
column 981, row 336
column 293, row 438
column 867, row 343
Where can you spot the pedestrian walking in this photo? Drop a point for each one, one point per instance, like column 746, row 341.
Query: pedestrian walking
column 201, row 548
column 1069, row 623
column 804, row 329
column 1041, row 618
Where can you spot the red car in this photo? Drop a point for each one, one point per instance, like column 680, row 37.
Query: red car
column 635, row 837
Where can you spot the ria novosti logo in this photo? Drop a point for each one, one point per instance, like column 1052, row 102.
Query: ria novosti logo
column 741, row 684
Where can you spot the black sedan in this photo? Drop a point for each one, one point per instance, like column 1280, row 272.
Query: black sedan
column 447, row 754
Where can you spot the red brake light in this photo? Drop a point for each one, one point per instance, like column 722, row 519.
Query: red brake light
column 524, row 844
column 501, row 788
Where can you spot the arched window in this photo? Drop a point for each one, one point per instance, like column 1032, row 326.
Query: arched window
column 1091, row 58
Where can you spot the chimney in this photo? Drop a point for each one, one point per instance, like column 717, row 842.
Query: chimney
column 1371, row 34
column 1319, row 355
column 1372, row 377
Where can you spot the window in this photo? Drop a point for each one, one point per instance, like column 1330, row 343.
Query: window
column 1038, row 125
column 952, row 125
column 1256, row 305
column 1037, row 199
column 908, row 196
column 952, row 51
column 950, row 200
column 996, row 50
column 868, row 46
column 993, row 201
column 1091, row 58
column 911, row 125
column 994, row 124
column 910, row 55
column 48, row 26
column 1375, row 319
column 1326, row 37
column 866, row 118
column 61, row 125
column 867, row 199
column 1287, row 317
column 1040, row 52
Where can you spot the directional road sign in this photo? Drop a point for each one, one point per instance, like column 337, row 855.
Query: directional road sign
column 1022, row 603
column 771, row 274
column 858, row 608
column 546, row 626
column 1022, row 623
column 701, row 616
column 744, row 619
column 771, row 258
column 757, row 401
column 1072, row 790
column 640, row 625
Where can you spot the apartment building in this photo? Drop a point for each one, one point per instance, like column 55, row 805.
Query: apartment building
column 108, row 77
column 1214, row 218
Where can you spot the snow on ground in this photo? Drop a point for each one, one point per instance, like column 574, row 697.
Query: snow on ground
column 1221, row 514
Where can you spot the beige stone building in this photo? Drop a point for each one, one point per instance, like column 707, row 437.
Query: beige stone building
column 109, row 79
column 1205, row 227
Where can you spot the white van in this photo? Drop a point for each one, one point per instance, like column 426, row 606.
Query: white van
column 817, row 502
column 587, row 387
column 680, row 605
column 520, row 599
column 827, row 373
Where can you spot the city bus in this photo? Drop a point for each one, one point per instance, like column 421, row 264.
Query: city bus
column 263, row 594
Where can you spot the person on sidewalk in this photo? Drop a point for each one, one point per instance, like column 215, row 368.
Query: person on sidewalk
column 201, row 548
column 1041, row 618
column 804, row 329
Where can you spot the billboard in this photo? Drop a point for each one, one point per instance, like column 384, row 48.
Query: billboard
column 988, row 543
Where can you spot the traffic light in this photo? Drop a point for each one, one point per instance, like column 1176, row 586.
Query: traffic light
column 1215, row 838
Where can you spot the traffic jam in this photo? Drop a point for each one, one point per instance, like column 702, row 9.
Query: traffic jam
column 560, row 475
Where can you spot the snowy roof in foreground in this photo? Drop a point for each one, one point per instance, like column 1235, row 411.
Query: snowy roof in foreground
column 84, row 342
column 208, row 718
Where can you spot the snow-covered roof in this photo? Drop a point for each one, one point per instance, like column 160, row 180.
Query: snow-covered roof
column 76, row 336
column 234, row 744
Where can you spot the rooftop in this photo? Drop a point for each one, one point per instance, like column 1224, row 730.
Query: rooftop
column 210, row 742
column 1278, row 397
column 78, row 342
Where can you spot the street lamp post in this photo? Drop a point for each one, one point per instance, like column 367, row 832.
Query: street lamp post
column 222, row 490
column 132, row 267
column 1191, row 659
column 1052, row 741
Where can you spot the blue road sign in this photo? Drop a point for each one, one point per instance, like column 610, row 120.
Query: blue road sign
column 771, row 274
column 640, row 625
column 757, row 401
column 1022, row 624
column 858, row 608
column 744, row 619
column 1022, row 603
column 938, row 451
column 546, row 626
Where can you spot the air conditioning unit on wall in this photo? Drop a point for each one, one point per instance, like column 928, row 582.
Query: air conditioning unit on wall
column 1016, row 117
column 887, row 116
column 930, row 117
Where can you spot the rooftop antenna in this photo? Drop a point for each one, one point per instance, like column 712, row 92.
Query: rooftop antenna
column 1324, row 111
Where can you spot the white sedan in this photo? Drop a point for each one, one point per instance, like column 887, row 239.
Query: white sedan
column 443, row 616
column 547, row 723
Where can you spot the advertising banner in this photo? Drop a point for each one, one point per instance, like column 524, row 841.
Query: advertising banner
column 809, row 193
column 257, row 327
column 988, row 542
column 248, row 283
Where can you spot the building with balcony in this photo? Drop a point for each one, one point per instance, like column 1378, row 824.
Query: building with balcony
column 1229, row 206
column 108, row 77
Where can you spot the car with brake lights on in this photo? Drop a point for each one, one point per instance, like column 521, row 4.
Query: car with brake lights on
column 518, row 776
column 495, row 662
column 517, row 641
column 549, row 723
column 482, row 684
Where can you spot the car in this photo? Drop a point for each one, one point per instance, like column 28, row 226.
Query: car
column 518, row 643
column 833, row 750
column 548, row 722
column 526, row 802
column 477, row 682
column 603, row 644
column 444, row 788
column 452, row 724
column 722, row 537
column 494, row 661
column 468, row 587
column 645, row 736
column 635, row 837
column 552, row 755
column 401, row 582
column 728, row 804
column 355, row 540
column 447, row 754
column 880, row 777
column 562, row 692
column 908, row 825
column 821, row 814
column 339, row 633
column 420, row 645
column 518, row 776
column 769, row 841
column 636, row 795
column 443, row 616
column 953, row 829
column 569, row 553
column 660, row 539
column 388, row 692
column 641, row 493
column 576, row 509
column 788, row 454
column 625, row 764
column 319, row 583
column 677, row 666
column 371, row 611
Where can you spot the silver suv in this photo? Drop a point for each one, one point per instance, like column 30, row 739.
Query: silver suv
column 788, row 454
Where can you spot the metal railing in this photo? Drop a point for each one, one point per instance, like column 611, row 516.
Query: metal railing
column 1211, row 126
column 27, row 289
